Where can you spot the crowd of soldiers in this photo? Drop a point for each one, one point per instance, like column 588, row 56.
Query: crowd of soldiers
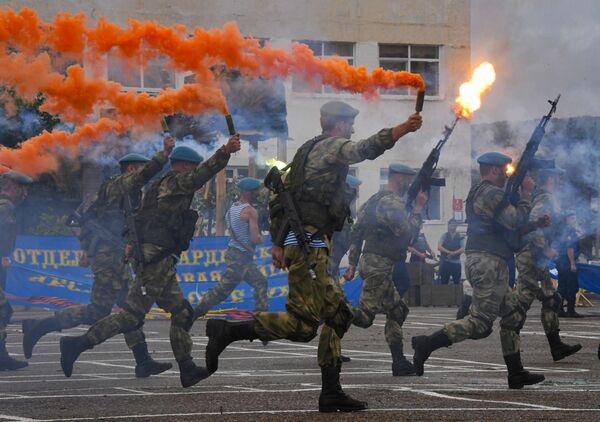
column 132, row 243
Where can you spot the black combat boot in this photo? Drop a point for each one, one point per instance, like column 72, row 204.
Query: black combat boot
column 145, row 365
column 598, row 351
column 517, row 376
column 222, row 333
column 571, row 313
column 344, row 358
column 190, row 374
column 423, row 346
column 333, row 398
column 559, row 349
column 6, row 362
column 70, row 349
column 34, row 330
column 400, row 365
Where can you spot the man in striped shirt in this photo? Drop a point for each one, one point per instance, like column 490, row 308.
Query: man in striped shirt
column 242, row 220
column 317, row 183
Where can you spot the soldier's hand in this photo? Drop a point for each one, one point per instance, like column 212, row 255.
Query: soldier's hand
column 414, row 122
column 233, row 145
column 528, row 185
column 128, row 252
column 420, row 201
column 5, row 262
column 349, row 273
column 543, row 221
column 277, row 255
column 168, row 145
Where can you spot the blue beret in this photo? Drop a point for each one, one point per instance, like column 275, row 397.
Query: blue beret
column 338, row 109
column 401, row 169
column 133, row 158
column 353, row 181
column 183, row 153
column 17, row 177
column 555, row 171
column 249, row 183
column 494, row 159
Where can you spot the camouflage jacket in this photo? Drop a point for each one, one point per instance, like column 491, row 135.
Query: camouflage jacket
column 107, row 208
column 543, row 204
column 8, row 226
column 486, row 231
column 387, row 232
column 328, row 157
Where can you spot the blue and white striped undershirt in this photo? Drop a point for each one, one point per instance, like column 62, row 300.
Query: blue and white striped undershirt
column 290, row 239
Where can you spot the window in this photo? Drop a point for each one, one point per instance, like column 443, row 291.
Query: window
column 433, row 209
column 323, row 49
column 422, row 59
column 152, row 77
column 237, row 172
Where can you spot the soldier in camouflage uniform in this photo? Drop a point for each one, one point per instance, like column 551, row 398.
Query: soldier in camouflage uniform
column 340, row 241
column 13, row 191
column 165, row 225
column 317, row 183
column 387, row 228
column 103, row 224
column 487, row 253
column 534, row 280
column 242, row 220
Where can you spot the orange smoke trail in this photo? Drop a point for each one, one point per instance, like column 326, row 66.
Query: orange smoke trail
column 77, row 96
column 38, row 154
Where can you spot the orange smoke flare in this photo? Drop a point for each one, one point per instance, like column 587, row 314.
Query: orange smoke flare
column 77, row 96
column 469, row 99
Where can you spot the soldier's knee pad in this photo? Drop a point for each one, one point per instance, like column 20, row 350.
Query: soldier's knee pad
column 484, row 330
column 6, row 312
column 183, row 315
column 95, row 313
column 553, row 302
column 304, row 332
column 399, row 312
column 363, row 318
column 137, row 320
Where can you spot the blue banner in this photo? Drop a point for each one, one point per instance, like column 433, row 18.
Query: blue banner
column 45, row 272
column 589, row 277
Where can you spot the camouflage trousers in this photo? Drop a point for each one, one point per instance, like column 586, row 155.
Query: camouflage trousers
column 379, row 296
column 111, row 284
column 5, row 308
column 532, row 283
column 158, row 284
column 309, row 302
column 240, row 267
column 488, row 274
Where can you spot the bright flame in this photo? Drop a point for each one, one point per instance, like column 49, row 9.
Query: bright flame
column 275, row 162
column 510, row 169
column 469, row 99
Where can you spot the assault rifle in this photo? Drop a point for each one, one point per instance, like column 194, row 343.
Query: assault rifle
column 424, row 178
column 77, row 220
column 528, row 161
column 274, row 182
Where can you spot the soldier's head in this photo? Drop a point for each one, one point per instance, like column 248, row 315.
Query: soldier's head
column 249, row 187
column 131, row 162
column 570, row 218
column 548, row 179
column 337, row 119
column 13, row 185
column 184, row 159
column 452, row 225
column 492, row 167
column 400, row 177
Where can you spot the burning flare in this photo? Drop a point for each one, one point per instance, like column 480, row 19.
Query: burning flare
column 274, row 162
column 469, row 99
column 510, row 169
column 31, row 49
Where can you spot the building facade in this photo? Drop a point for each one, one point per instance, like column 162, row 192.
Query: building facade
column 427, row 37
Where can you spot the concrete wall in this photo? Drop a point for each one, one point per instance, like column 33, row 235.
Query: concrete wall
column 367, row 22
